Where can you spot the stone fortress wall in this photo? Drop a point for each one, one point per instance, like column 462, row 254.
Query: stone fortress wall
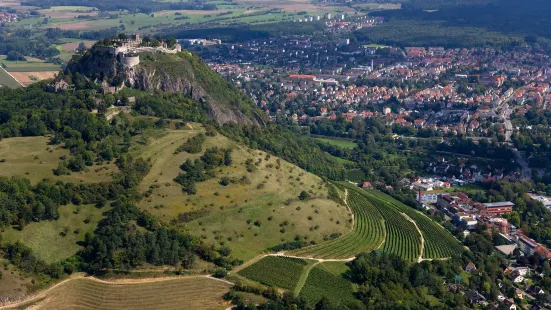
column 127, row 50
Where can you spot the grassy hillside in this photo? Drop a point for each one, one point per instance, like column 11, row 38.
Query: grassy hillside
column 90, row 293
column 226, row 214
column 53, row 241
column 34, row 159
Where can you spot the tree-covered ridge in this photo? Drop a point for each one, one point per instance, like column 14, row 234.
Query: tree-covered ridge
column 244, row 32
column 193, row 69
column 289, row 144
column 440, row 4
column 468, row 23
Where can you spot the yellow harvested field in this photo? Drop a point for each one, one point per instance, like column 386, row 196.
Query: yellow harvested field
column 27, row 78
column 80, row 26
column 196, row 292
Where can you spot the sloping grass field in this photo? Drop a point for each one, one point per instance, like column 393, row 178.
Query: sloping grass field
column 367, row 235
column 6, row 80
column 34, row 159
column 259, row 210
column 46, row 238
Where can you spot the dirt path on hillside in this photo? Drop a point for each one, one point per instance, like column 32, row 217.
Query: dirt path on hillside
column 348, row 207
column 39, row 295
column 420, row 259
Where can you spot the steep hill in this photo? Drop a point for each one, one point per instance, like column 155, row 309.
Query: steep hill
column 181, row 72
column 256, row 208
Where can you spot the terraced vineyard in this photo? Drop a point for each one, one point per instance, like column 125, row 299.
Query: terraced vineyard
column 403, row 238
column 90, row 293
column 367, row 235
column 278, row 271
column 322, row 283
column 438, row 242
column 378, row 218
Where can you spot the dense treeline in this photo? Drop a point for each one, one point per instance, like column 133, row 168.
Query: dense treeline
column 55, row 34
column 17, row 43
column 23, row 258
column 193, row 145
column 441, row 4
column 289, row 144
column 117, row 244
column 413, row 32
column 382, row 157
column 21, row 202
column 250, row 32
column 465, row 23
column 134, row 6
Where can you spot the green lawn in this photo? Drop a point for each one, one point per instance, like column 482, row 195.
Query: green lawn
column 342, row 160
column 7, row 81
column 346, row 144
column 45, row 238
column 31, row 65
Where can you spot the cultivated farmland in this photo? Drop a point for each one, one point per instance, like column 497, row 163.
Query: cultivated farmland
column 278, row 271
column 6, row 80
column 321, row 282
column 175, row 293
column 438, row 242
column 384, row 223
column 367, row 235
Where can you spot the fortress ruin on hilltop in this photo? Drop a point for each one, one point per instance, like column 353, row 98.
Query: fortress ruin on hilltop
column 127, row 48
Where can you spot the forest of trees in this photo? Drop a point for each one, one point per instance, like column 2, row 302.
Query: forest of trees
column 289, row 144
column 202, row 169
column 19, row 42
column 464, row 23
column 249, row 32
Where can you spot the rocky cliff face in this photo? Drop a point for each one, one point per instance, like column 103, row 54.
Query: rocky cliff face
column 172, row 73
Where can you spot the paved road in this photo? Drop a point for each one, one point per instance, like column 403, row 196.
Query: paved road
column 519, row 156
